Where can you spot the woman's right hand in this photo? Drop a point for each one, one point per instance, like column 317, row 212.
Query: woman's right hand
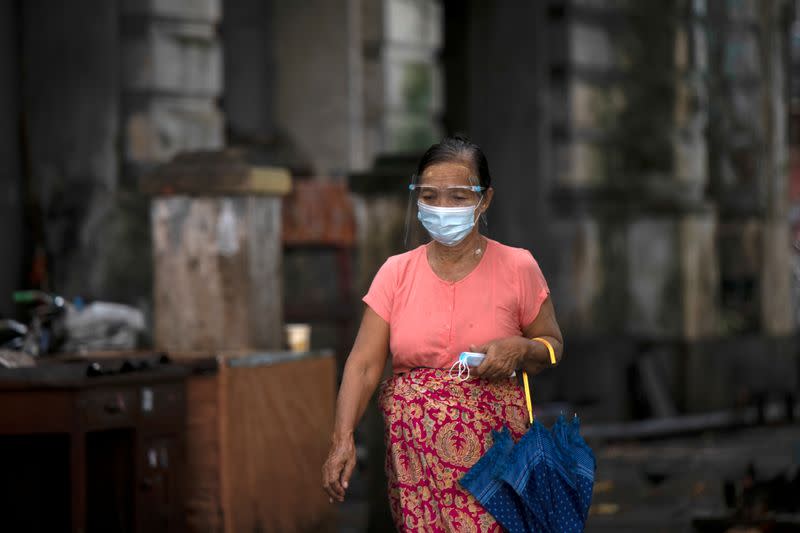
column 338, row 467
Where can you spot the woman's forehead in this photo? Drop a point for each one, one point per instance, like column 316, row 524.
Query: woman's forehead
column 448, row 173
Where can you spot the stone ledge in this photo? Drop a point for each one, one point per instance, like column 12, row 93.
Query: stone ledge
column 211, row 173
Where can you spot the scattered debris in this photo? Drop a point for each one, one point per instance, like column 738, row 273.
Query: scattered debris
column 58, row 326
column 103, row 326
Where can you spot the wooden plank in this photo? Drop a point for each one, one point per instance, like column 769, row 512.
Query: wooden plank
column 39, row 412
column 203, row 455
column 225, row 447
column 277, row 425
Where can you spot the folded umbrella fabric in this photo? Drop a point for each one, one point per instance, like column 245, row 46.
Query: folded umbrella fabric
column 553, row 474
column 484, row 481
column 543, row 483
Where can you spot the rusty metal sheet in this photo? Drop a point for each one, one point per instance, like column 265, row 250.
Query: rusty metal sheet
column 319, row 214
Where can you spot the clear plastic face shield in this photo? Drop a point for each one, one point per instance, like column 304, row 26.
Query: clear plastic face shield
column 445, row 211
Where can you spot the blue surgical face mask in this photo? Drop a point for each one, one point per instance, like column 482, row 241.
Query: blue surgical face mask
column 447, row 225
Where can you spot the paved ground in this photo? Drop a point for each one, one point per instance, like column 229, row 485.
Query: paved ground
column 661, row 485
column 655, row 486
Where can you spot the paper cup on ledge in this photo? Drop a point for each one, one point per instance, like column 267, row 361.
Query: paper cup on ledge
column 298, row 337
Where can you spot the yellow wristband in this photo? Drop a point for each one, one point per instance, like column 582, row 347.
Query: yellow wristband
column 549, row 349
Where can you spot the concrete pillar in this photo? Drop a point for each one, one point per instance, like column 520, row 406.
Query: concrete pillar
column 172, row 65
column 70, row 95
column 776, row 301
column 506, row 88
column 403, row 75
column 636, row 239
column 11, row 209
column 250, row 70
column 318, row 76
column 748, row 160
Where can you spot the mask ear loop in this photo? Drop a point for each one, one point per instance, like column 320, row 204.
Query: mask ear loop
column 463, row 370
column 482, row 218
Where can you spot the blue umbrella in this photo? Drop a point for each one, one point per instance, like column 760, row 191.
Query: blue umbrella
column 541, row 484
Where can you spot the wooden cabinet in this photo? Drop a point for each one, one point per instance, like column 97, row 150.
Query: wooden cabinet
column 160, row 483
column 98, row 454
column 258, row 431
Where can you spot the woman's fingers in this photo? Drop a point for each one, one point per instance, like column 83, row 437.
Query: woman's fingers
column 337, row 489
column 347, row 471
column 490, row 370
column 493, row 367
column 484, row 370
column 332, row 476
column 329, row 482
column 337, row 471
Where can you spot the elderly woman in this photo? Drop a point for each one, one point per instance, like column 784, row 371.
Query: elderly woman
column 460, row 292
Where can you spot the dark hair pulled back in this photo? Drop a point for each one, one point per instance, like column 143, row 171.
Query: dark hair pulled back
column 457, row 148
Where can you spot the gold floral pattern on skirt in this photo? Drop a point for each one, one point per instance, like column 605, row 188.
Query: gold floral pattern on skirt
column 437, row 427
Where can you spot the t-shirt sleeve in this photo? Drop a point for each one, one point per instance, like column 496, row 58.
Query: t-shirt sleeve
column 380, row 295
column 533, row 289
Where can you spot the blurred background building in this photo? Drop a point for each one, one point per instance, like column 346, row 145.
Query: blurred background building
column 645, row 152
column 640, row 150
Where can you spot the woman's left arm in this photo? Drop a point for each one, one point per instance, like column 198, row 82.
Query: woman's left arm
column 544, row 325
column 505, row 355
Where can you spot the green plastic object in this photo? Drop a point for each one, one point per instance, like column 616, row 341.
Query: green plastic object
column 24, row 297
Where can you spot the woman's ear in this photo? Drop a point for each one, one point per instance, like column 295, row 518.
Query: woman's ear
column 487, row 200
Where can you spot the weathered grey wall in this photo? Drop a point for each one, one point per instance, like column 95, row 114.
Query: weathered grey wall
column 633, row 236
column 107, row 86
column 11, row 211
column 318, row 101
column 505, row 87
column 748, row 162
column 71, row 95
column 172, row 79
column 248, row 38
column 403, row 93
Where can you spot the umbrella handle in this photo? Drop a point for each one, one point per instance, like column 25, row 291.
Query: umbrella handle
column 525, row 375
column 528, row 395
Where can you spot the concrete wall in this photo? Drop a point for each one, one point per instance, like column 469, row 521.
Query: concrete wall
column 11, row 210
column 172, row 65
column 71, row 103
column 110, row 89
column 636, row 250
column 250, row 69
column 748, row 162
column 507, row 118
column 403, row 82
column 318, row 104
column 172, row 78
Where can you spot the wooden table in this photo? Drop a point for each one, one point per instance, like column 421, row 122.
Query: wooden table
column 110, row 445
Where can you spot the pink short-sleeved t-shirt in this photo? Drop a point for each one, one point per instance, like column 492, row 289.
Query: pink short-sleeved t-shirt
column 431, row 321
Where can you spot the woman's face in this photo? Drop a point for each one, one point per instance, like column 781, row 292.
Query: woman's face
column 453, row 174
